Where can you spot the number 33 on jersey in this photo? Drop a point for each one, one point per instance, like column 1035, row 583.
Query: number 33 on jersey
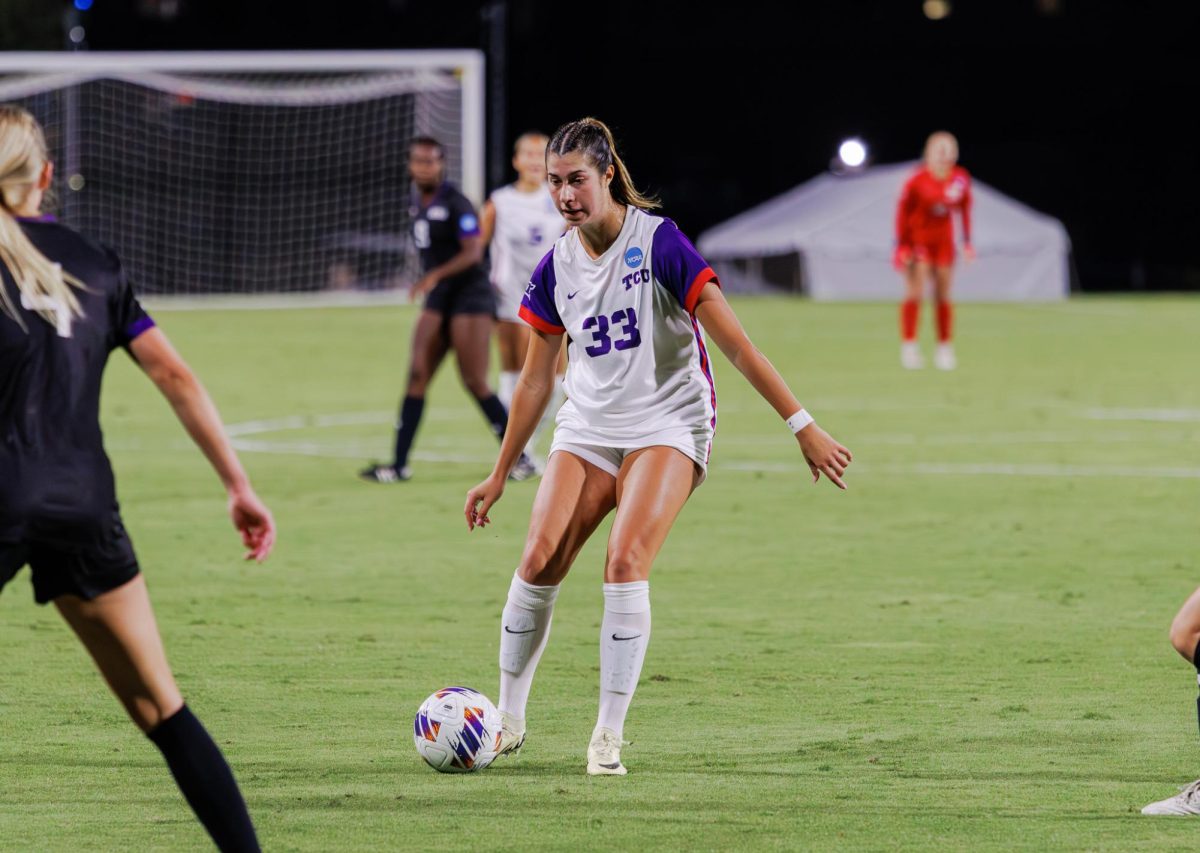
column 637, row 357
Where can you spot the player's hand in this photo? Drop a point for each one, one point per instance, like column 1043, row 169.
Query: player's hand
column 902, row 258
column 968, row 252
column 424, row 284
column 823, row 454
column 254, row 521
column 481, row 499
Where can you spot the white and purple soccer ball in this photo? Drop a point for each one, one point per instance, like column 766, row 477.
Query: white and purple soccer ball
column 457, row 730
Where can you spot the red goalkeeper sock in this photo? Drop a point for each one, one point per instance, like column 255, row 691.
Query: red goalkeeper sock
column 945, row 321
column 910, row 312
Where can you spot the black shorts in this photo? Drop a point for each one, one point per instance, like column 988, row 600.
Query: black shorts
column 63, row 568
column 472, row 297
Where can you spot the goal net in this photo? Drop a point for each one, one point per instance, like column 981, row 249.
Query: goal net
column 250, row 173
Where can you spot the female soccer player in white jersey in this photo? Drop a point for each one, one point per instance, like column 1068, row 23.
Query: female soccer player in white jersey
column 65, row 305
column 520, row 222
column 629, row 292
column 1185, row 637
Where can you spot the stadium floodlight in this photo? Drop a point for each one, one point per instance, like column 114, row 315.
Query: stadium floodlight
column 853, row 153
column 251, row 173
column 936, row 10
column 852, row 156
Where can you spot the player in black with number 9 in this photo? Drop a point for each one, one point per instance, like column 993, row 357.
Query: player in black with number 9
column 459, row 308
column 65, row 305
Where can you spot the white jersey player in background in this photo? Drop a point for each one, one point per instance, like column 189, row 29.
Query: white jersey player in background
column 629, row 292
column 520, row 222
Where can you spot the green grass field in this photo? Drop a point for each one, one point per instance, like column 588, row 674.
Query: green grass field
column 966, row 650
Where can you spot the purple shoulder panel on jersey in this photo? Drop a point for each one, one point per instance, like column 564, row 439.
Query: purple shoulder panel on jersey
column 142, row 324
column 678, row 267
column 537, row 305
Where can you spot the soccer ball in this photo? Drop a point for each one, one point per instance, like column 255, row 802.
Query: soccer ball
column 457, row 730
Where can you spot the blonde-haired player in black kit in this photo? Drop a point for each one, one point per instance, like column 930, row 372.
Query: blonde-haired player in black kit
column 65, row 305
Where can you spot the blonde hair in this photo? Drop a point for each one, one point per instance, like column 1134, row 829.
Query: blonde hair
column 42, row 282
column 595, row 140
column 529, row 136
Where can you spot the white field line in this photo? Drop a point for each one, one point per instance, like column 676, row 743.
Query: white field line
column 278, row 301
column 240, row 437
column 1168, row 415
column 987, row 469
column 907, row 439
column 257, row 427
column 331, row 450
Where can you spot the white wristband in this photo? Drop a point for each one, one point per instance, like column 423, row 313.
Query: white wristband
column 799, row 421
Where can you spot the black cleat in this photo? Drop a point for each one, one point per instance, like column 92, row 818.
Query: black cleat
column 385, row 474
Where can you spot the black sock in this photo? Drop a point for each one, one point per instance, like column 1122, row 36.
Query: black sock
column 495, row 412
column 1196, row 663
column 205, row 780
column 406, row 430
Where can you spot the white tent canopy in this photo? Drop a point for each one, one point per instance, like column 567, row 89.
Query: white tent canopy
column 832, row 237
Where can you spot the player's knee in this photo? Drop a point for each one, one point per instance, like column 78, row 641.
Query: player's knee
column 1184, row 637
column 149, row 711
column 418, row 379
column 626, row 564
column 542, row 564
column 477, row 386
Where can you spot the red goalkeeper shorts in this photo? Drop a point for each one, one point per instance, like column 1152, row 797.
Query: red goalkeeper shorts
column 940, row 253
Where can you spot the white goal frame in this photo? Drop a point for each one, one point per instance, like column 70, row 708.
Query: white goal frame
column 82, row 66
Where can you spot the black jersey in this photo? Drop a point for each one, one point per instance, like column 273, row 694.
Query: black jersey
column 438, row 229
column 54, row 474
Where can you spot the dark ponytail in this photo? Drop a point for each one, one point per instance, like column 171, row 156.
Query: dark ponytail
column 592, row 137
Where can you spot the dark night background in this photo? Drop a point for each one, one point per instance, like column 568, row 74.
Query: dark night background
column 1085, row 110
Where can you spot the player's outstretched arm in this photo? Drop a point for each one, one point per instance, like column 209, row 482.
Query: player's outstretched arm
column 823, row 454
column 195, row 410
column 529, row 401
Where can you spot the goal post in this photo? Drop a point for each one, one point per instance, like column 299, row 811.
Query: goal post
column 251, row 172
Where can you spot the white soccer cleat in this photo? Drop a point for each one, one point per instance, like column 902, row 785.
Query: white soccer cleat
column 1186, row 802
column 604, row 754
column 512, row 735
column 910, row 356
column 943, row 357
column 525, row 469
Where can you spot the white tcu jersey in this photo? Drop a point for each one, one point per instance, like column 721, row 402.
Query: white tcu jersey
column 638, row 367
column 527, row 224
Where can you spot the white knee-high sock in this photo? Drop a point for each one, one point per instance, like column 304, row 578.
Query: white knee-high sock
column 524, row 629
column 624, row 635
column 508, row 384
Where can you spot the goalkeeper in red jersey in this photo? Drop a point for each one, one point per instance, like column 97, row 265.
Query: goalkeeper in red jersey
column 925, row 244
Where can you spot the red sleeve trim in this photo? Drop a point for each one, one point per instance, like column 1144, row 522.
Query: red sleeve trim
column 693, row 293
column 538, row 323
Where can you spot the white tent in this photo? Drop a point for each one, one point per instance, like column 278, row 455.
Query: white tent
column 832, row 238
